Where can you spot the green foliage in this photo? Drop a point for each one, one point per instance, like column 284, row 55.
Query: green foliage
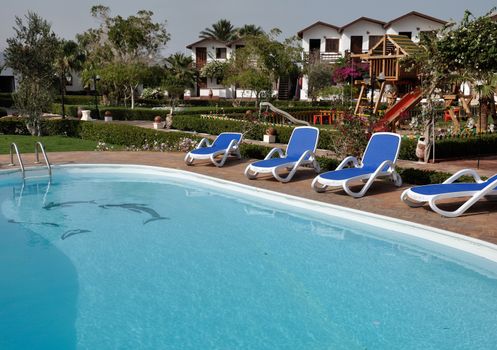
column 179, row 75
column 3, row 112
column 327, row 164
column 31, row 54
column 253, row 151
column 262, row 62
column 77, row 99
column 51, row 143
column 214, row 69
column 422, row 177
column 122, row 51
column 319, row 75
column 408, row 149
column 222, row 30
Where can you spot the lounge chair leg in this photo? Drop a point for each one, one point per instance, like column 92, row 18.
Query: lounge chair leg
column 316, row 186
column 396, row 179
column 405, row 198
column 250, row 175
column 188, row 159
column 283, row 179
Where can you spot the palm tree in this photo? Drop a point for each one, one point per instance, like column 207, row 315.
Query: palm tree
column 249, row 30
column 222, row 30
column 180, row 74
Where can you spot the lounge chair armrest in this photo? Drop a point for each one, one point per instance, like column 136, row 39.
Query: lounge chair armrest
column 464, row 172
column 204, row 143
column 384, row 164
column 306, row 154
column 347, row 160
column 273, row 151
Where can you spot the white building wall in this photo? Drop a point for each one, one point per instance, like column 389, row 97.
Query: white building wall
column 319, row 32
column 361, row 28
column 413, row 24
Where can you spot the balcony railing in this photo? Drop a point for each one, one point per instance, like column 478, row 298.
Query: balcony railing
column 326, row 57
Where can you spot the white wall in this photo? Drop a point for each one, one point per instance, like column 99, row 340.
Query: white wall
column 411, row 24
column 319, row 32
column 211, row 46
column 360, row 28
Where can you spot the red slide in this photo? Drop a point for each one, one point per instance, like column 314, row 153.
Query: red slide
column 406, row 103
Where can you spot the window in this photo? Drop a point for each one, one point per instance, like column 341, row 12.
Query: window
column 332, row 45
column 220, row 52
column 408, row 34
column 373, row 40
column 314, row 45
column 356, row 44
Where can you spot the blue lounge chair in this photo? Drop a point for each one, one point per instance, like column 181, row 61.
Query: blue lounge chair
column 418, row 195
column 378, row 161
column 300, row 152
column 225, row 144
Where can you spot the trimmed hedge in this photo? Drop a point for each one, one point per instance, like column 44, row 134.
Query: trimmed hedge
column 121, row 134
column 139, row 113
column 463, row 147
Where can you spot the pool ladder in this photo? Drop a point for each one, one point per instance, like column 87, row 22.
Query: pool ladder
column 38, row 148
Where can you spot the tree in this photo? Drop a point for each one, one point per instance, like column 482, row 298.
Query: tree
column 31, row 54
column 249, row 30
column 179, row 75
column 320, row 77
column 68, row 58
column 128, row 46
column 262, row 61
column 222, row 30
column 470, row 48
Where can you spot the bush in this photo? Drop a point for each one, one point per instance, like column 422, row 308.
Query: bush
column 77, row 99
column 3, row 112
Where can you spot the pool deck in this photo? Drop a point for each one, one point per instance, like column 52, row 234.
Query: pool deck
column 480, row 221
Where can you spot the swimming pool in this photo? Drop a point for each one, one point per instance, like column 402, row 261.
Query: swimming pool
column 147, row 258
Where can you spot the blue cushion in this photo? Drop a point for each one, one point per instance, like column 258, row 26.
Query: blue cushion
column 346, row 173
column 381, row 147
column 207, row 150
column 274, row 162
column 224, row 139
column 302, row 139
column 431, row 190
column 221, row 143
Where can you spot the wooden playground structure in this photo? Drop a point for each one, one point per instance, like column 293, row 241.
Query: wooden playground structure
column 385, row 68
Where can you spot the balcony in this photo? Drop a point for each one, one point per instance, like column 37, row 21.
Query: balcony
column 325, row 57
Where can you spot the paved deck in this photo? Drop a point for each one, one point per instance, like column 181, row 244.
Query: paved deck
column 479, row 222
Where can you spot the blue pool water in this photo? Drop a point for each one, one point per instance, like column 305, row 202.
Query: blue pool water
column 107, row 260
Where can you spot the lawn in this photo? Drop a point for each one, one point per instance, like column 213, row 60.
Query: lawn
column 26, row 144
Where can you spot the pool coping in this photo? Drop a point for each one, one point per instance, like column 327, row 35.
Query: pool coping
column 460, row 242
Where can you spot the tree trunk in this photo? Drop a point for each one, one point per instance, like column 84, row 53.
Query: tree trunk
column 132, row 97
column 485, row 110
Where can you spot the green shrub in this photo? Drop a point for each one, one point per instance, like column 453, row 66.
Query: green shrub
column 422, row 177
column 408, row 149
column 254, row 151
column 77, row 99
column 3, row 112
column 327, row 164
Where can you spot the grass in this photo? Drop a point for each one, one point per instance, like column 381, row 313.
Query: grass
column 51, row 143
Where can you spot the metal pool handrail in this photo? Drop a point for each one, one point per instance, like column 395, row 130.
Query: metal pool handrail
column 39, row 145
column 13, row 147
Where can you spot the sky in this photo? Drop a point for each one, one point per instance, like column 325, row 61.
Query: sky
column 186, row 18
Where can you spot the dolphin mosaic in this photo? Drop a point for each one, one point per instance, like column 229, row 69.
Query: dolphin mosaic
column 53, row 205
column 70, row 233
column 137, row 208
